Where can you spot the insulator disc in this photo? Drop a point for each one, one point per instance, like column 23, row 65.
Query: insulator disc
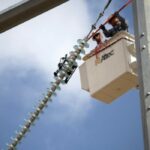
column 83, row 42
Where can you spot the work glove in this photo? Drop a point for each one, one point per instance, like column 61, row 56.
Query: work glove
column 103, row 27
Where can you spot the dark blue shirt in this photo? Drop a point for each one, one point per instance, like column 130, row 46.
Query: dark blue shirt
column 116, row 28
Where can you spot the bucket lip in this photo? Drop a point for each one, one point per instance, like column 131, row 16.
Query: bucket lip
column 116, row 38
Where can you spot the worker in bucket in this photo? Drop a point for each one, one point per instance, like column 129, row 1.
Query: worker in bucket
column 117, row 22
column 98, row 38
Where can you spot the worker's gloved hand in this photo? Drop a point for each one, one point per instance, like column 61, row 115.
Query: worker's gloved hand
column 116, row 14
column 103, row 27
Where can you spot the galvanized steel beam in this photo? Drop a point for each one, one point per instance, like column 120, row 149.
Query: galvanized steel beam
column 24, row 11
column 142, row 35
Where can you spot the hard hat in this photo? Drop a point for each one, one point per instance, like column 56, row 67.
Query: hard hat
column 95, row 34
column 112, row 18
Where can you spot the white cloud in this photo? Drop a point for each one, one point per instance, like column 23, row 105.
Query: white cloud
column 40, row 42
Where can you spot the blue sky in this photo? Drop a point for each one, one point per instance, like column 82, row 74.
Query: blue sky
column 29, row 55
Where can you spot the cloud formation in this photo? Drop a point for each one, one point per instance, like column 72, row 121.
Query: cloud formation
column 38, row 45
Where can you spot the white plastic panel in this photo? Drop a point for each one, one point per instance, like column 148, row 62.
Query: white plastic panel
column 116, row 72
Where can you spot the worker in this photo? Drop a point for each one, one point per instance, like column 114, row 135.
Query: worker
column 117, row 22
column 97, row 37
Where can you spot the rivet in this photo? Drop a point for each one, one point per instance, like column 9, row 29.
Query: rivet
column 142, row 34
column 144, row 47
column 148, row 108
column 147, row 94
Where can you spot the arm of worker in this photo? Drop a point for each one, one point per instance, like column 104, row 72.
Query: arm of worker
column 122, row 20
column 107, row 33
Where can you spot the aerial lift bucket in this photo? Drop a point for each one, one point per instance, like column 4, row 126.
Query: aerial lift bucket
column 116, row 72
